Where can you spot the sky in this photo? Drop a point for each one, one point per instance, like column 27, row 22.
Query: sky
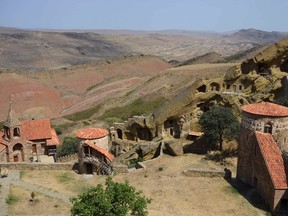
column 197, row 15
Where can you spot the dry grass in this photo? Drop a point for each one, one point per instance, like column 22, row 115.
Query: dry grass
column 171, row 192
column 41, row 205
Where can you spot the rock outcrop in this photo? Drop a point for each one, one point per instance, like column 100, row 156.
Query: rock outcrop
column 262, row 78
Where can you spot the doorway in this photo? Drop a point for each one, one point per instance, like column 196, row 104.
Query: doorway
column 34, row 148
column 15, row 158
column 89, row 168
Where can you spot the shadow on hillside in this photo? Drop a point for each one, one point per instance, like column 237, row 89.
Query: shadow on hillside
column 197, row 146
column 248, row 192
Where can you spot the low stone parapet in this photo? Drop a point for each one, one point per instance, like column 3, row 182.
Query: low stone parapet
column 37, row 166
column 226, row 173
column 67, row 158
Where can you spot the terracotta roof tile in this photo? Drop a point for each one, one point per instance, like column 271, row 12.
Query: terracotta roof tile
column 266, row 109
column 54, row 140
column 195, row 133
column 108, row 155
column 36, row 129
column 273, row 159
column 91, row 133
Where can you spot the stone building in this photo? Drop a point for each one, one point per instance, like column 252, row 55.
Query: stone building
column 262, row 161
column 26, row 140
column 93, row 151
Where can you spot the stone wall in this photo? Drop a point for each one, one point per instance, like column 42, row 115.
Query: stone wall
column 207, row 173
column 120, row 168
column 37, row 166
column 68, row 158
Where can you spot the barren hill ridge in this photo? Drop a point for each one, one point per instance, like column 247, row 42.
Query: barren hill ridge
column 41, row 50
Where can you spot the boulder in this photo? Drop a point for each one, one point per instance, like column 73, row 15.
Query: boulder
column 174, row 147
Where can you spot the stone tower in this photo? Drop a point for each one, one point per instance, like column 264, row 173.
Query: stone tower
column 13, row 134
column 266, row 118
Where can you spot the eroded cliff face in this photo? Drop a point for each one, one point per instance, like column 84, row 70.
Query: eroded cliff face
column 262, row 78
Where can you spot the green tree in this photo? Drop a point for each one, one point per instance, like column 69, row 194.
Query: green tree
column 116, row 199
column 69, row 146
column 219, row 123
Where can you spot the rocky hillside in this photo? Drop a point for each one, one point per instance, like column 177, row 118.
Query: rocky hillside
column 42, row 50
column 261, row 78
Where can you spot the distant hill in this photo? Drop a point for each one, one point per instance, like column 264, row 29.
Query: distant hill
column 258, row 36
column 246, row 54
column 36, row 50
column 217, row 58
column 212, row 57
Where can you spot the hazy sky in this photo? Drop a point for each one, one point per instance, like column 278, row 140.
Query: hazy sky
column 204, row 15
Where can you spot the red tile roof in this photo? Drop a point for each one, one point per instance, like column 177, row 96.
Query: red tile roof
column 195, row 133
column 91, row 133
column 266, row 109
column 273, row 159
column 108, row 155
column 54, row 140
column 36, row 129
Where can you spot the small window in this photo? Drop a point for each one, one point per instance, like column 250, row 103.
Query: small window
column 268, row 128
column 16, row 132
column 240, row 87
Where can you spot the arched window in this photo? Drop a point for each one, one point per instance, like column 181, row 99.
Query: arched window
column 18, row 147
column 268, row 128
column 16, row 132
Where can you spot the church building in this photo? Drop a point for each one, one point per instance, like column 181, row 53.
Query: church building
column 25, row 141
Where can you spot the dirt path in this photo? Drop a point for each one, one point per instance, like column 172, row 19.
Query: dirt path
column 14, row 179
column 13, row 176
column 42, row 190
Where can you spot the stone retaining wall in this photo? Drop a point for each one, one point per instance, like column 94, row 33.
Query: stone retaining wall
column 207, row 173
column 68, row 158
column 120, row 168
column 38, row 166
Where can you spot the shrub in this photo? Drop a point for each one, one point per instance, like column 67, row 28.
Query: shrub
column 11, row 199
column 69, row 146
column 116, row 199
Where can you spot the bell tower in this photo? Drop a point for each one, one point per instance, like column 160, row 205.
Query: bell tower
column 12, row 125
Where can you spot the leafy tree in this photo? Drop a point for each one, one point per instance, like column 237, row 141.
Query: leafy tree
column 117, row 199
column 69, row 146
column 219, row 123
column 282, row 101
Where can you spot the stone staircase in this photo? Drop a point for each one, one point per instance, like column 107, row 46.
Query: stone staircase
column 103, row 168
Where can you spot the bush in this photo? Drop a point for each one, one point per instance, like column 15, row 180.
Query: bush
column 69, row 146
column 11, row 199
column 117, row 199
